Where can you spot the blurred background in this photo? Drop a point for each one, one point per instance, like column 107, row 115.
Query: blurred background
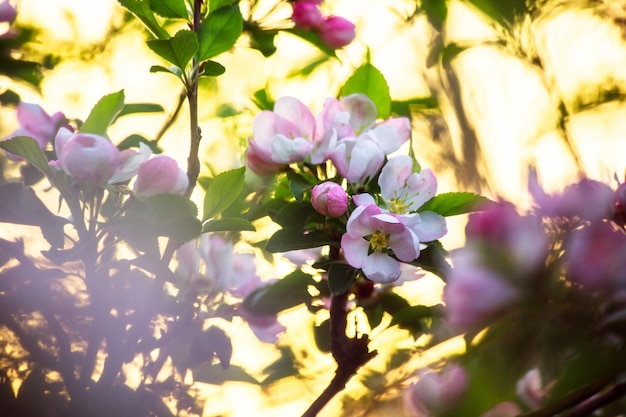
column 488, row 99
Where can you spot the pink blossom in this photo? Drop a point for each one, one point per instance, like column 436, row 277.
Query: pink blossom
column 372, row 237
column 475, row 294
column 88, row 158
column 34, row 122
column 160, row 174
column 594, row 257
column 282, row 136
column 349, row 117
column 130, row 162
column 404, row 190
column 337, row 32
column 329, row 199
column 436, row 392
column 8, row 11
column 316, row 2
column 358, row 159
column 219, row 259
column 587, row 200
column 520, row 239
column 307, row 16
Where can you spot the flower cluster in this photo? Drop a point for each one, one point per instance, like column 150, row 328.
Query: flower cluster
column 213, row 265
column 387, row 225
column 335, row 31
column 509, row 256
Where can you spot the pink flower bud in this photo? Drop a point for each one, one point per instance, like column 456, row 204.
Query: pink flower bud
column 88, row 158
column 160, row 174
column 8, row 12
column 530, row 389
column 337, row 32
column 329, row 199
column 307, row 16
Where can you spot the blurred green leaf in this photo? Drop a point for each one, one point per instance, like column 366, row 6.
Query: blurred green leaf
column 262, row 100
column 134, row 140
column 27, row 148
column 141, row 9
column 219, row 31
column 313, row 38
column 217, row 4
column 433, row 259
column 216, row 375
column 503, row 12
column 178, row 50
column 436, row 11
column 169, row 8
column 454, row 203
column 321, row 332
column 213, row 69
column 168, row 215
column 262, row 40
column 412, row 318
column 20, row 205
column 9, row 98
column 368, row 80
column 287, row 292
column 292, row 239
column 222, row 192
column 340, row 278
column 103, row 114
column 404, row 108
column 228, row 225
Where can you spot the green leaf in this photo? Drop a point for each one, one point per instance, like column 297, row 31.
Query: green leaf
column 262, row 100
column 133, row 141
column 436, row 11
column 216, row 375
column 298, row 185
column 213, row 69
column 285, row 240
column 433, row 259
column 295, row 215
column 168, row 215
column 178, row 50
column 412, row 317
column 141, row 9
column 340, row 278
column 503, row 12
column 368, row 80
column 452, row 50
column 170, row 70
column 20, row 205
column 285, row 293
column 228, row 225
column 103, row 114
column 169, row 8
column 262, row 40
column 218, row 4
column 313, row 38
column 133, row 108
column 454, row 203
column 321, row 332
column 219, row 31
column 222, row 192
column 404, row 108
column 27, row 148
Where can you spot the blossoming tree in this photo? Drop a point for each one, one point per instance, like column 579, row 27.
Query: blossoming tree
column 136, row 274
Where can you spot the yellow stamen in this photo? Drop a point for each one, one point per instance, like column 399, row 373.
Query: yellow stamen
column 378, row 241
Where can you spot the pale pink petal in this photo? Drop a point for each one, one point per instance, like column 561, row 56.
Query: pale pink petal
column 381, row 268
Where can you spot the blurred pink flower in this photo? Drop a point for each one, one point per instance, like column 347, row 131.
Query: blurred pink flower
column 130, row 162
column 594, row 257
column 436, row 392
column 371, row 237
column 587, row 200
column 505, row 409
column 160, row 174
column 34, row 122
column 329, row 199
column 520, row 239
column 358, row 159
column 307, row 15
column 474, row 294
column 8, row 12
column 88, row 158
column 337, row 32
column 530, row 389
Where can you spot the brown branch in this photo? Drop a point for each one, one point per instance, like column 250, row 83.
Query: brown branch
column 349, row 353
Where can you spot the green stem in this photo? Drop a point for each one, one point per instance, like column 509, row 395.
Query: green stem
column 193, row 162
